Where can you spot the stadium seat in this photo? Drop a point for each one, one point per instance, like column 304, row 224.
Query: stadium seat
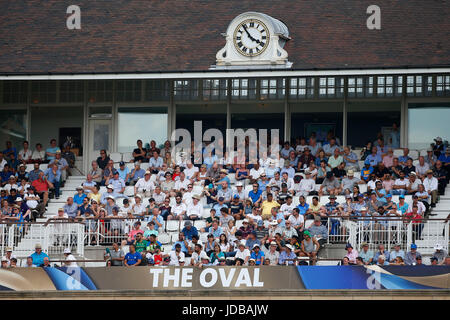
column 166, row 248
column 414, row 154
column 197, row 189
column 43, row 166
column 239, row 223
column 415, row 162
column 172, row 225
column 398, row 152
column 203, row 237
column 247, row 189
column 308, row 223
column 129, row 191
column 200, row 224
column 127, row 157
column 423, row 152
column 30, row 167
column 232, row 178
column 206, row 213
column 164, row 238
column 144, row 165
column 295, row 200
column 174, row 237
column 115, row 156
column 130, row 166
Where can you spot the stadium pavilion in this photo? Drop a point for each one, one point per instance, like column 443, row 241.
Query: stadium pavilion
column 139, row 69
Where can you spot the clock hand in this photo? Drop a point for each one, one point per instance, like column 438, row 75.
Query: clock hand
column 249, row 35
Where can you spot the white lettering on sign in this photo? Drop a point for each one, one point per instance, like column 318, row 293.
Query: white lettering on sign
column 155, row 272
column 226, row 281
column 182, row 277
column 210, row 283
column 74, row 20
column 175, row 277
column 186, row 277
column 374, row 21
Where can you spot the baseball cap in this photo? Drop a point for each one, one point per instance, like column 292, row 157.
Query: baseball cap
column 18, row 199
column 110, row 186
column 245, row 221
column 332, row 197
column 438, row 139
column 348, row 245
column 255, row 245
column 364, row 244
column 38, row 246
column 147, row 172
column 402, row 196
column 389, row 195
column 67, row 250
column 4, row 259
column 273, row 243
column 413, row 246
column 239, row 184
column 221, row 198
column 236, row 196
column 317, row 218
column 8, row 249
column 438, row 246
column 260, row 223
column 187, row 223
column 121, row 163
column 350, row 172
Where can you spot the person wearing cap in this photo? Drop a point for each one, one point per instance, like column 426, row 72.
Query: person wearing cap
column 366, row 254
column 236, row 210
column 309, row 247
column 257, row 254
column 431, row 185
column 69, row 258
column 79, row 196
column 287, row 255
column 38, row 256
column 189, row 230
column 412, row 255
column 136, row 174
column 349, row 181
column 255, row 195
column 145, row 185
column 124, row 172
column 240, row 192
column 330, row 185
column 118, row 185
column 9, row 255
column 242, row 253
column 351, row 253
column 273, row 254
column 438, row 147
column 397, row 252
column 440, row 253
column 219, row 205
column 194, row 209
column 4, row 263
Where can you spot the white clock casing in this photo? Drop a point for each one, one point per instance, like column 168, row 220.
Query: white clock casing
column 254, row 40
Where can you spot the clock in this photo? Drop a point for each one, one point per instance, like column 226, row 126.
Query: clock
column 251, row 37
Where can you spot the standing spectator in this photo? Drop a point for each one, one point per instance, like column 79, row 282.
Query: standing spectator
column 69, row 156
column 441, row 175
column 38, row 256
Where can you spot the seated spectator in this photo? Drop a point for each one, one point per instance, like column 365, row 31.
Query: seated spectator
column 189, row 230
column 367, row 171
column 365, row 254
column 287, row 256
column 79, row 196
column 388, row 159
column 71, row 208
column 352, row 254
column 132, row 258
column 381, row 252
column 310, row 247
column 50, row 153
column 25, row 154
column 400, row 186
column 38, row 256
column 89, row 185
column 439, row 253
column 381, row 261
column 374, row 158
column 61, row 164
column 145, row 186
column 430, row 185
column 404, row 158
column 41, row 185
column 335, row 160
column 139, row 154
column 409, row 168
column 194, row 210
column 350, row 181
column 38, row 155
column 397, row 252
column 136, row 174
column 53, row 175
column 330, row 185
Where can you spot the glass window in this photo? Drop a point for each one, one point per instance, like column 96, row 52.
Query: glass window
column 366, row 121
column 185, row 90
column 71, row 91
column 360, row 87
column 442, row 85
column 214, row 89
column 149, row 123
column 13, row 127
column 243, row 89
column 128, row 90
column 426, row 122
column 100, row 91
column 301, row 88
column 272, row 89
column 15, row 91
column 157, row 90
column 43, row 91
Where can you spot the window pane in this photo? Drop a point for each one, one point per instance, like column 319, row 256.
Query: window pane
column 13, row 127
column 141, row 123
column 426, row 122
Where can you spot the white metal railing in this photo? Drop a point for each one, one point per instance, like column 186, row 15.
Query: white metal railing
column 53, row 237
column 108, row 230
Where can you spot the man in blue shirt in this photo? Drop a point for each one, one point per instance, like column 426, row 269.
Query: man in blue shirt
column 219, row 205
column 182, row 243
column 53, row 175
column 136, row 174
column 374, row 158
column 287, row 254
column 257, row 254
column 124, row 172
column 402, row 159
column 189, row 230
column 132, row 258
column 303, row 206
column 255, row 195
column 38, row 256
column 51, row 152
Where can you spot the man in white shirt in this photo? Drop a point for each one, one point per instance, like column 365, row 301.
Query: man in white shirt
column 182, row 183
column 400, row 185
column 155, row 163
column 242, row 253
column 190, row 171
column 176, row 255
column 306, row 185
column 195, row 209
column 431, row 186
column 2, row 161
column 422, row 168
column 159, row 196
column 287, row 207
column 240, row 192
column 144, row 186
column 255, row 172
column 297, row 220
column 420, row 206
column 179, row 209
column 70, row 259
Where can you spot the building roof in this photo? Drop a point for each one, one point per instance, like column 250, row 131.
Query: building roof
column 178, row 35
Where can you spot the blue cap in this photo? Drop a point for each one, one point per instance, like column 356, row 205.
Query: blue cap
column 389, row 195
column 221, row 198
column 360, row 195
column 348, row 246
column 260, row 223
column 210, row 186
column 401, row 196
column 413, row 246
column 236, row 196
column 367, row 162
column 121, row 163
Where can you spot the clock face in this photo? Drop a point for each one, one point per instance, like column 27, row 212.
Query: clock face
column 251, row 37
